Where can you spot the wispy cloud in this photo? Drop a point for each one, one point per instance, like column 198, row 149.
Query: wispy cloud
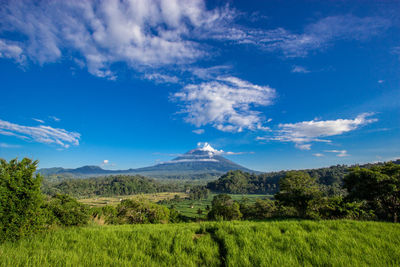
column 148, row 34
column 54, row 118
column 42, row 134
column 299, row 69
column 198, row 131
column 225, row 103
column 315, row 36
column 142, row 33
column 161, row 78
column 318, row 155
column 303, row 133
column 5, row 145
column 38, row 120
column 339, row 153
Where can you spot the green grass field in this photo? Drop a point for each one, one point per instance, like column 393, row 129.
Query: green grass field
column 274, row 243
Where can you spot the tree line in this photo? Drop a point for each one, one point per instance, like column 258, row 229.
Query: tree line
column 239, row 182
column 112, row 186
column 368, row 194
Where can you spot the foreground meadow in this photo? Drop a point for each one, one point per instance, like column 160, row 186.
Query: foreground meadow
column 273, row 243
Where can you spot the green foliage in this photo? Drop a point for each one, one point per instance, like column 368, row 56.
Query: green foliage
column 379, row 187
column 111, row 186
column 20, row 199
column 298, row 190
column 132, row 211
column 67, row 211
column 198, row 192
column 225, row 208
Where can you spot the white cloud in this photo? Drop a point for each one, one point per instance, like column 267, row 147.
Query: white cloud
column 42, row 134
column 54, row 118
column 381, row 81
column 198, row 131
column 300, row 69
column 11, row 50
column 315, row 36
column 303, row 146
column 318, row 155
column 105, row 162
column 303, row 133
column 161, row 78
column 38, row 120
column 340, row 153
column 226, row 103
column 5, row 145
column 140, row 33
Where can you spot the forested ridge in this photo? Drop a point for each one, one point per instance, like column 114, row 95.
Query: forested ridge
column 111, row 186
column 238, row 182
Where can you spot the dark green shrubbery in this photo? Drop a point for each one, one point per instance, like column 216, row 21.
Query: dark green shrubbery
column 20, row 199
column 131, row 211
column 64, row 210
column 224, row 208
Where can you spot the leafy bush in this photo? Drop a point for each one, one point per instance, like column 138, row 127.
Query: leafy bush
column 67, row 211
column 379, row 187
column 298, row 190
column 132, row 211
column 224, row 208
column 20, row 199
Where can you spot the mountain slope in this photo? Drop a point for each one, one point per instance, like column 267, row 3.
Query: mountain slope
column 203, row 160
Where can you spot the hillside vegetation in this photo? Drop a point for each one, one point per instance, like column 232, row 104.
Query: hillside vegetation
column 274, row 243
column 239, row 182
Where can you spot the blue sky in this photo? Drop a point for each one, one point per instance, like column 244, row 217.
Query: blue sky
column 274, row 84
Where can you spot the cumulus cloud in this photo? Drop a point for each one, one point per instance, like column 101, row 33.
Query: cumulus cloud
column 302, row 133
column 153, row 33
column 226, row 103
column 139, row 33
column 42, row 134
column 339, row 153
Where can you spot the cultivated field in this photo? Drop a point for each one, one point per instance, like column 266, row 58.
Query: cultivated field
column 155, row 197
column 274, row 243
column 185, row 206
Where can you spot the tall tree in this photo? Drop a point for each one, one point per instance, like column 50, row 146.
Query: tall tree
column 20, row 199
column 298, row 189
column 379, row 187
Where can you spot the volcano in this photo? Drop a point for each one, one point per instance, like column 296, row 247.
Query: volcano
column 204, row 161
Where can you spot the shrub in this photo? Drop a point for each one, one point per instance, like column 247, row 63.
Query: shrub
column 67, row 211
column 20, row 199
column 298, row 190
column 131, row 211
column 224, row 208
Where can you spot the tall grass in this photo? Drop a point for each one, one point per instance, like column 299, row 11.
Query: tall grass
column 274, row 243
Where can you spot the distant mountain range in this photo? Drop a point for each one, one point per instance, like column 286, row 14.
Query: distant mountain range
column 202, row 162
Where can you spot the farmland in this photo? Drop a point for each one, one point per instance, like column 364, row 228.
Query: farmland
column 185, row 206
column 236, row 243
